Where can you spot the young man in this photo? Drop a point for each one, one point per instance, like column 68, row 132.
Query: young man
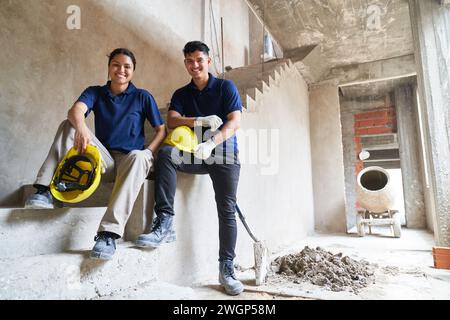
column 120, row 111
column 211, row 103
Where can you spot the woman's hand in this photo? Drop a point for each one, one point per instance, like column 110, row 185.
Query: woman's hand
column 82, row 138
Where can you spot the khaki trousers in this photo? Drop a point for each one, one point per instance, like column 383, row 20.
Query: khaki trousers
column 128, row 171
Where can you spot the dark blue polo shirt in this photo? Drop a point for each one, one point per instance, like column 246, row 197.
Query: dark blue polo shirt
column 119, row 120
column 219, row 97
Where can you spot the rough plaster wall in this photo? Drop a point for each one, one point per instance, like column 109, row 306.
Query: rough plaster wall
column 255, row 40
column 349, row 168
column 408, row 138
column 45, row 66
column 235, row 19
column 236, row 43
column 425, row 165
column 430, row 24
column 327, row 159
column 348, row 109
column 281, row 205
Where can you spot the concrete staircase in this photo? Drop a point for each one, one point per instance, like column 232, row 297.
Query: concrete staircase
column 252, row 80
column 45, row 254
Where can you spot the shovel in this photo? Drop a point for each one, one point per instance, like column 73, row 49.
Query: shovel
column 261, row 253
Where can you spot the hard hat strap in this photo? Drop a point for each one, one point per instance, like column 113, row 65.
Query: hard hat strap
column 66, row 181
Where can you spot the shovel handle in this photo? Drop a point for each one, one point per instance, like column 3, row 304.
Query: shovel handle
column 242, row 218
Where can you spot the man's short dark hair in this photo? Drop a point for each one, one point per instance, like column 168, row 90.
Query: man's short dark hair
column 124, row 51
column 193, row 46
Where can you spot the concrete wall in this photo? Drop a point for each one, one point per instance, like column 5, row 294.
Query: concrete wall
column 409, row 148
column 430, row 23
column 46, row 66
column 425, row 163
column 230, row 19
column 327, row 158
column 255, row 39
column 236, row 31
column 280, row 189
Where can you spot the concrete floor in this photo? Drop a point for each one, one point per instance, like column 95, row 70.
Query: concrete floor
column 404, row 271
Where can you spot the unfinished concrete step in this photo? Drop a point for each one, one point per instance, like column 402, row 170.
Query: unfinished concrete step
column 249, row 79
column 255, row 70
column 155, row 290
column 73, row 275
column 30, row 232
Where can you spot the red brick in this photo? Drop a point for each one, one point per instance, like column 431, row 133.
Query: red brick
column 377, row 114
column 372, row 115
column 381, row 122
column 362, row 116
column 379, row 130
column 360, row 132
column 364, row 124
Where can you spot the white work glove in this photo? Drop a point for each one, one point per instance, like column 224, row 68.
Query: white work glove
column 210, row 121
column 203, row 150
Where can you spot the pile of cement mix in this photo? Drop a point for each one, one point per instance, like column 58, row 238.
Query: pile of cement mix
column 323, row 268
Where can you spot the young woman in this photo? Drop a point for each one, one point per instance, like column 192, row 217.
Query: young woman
column 120, row 110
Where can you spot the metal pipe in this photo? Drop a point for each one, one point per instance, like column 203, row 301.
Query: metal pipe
column 221, row 35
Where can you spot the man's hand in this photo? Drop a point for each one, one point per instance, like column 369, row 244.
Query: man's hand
column 203, row 150
column 210, row 121
column 82, row 138
column 150, row 158
column 149, row 154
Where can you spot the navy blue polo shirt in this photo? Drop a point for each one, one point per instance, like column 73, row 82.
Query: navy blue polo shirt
column 219, row 97
column 119, row 120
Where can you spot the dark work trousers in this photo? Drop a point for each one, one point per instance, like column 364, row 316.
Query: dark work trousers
column 225, row 178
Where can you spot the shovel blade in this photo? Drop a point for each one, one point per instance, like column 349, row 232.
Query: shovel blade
column 261, row 262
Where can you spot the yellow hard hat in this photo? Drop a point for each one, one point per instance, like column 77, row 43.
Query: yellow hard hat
column 77, row 175
column 183, row 138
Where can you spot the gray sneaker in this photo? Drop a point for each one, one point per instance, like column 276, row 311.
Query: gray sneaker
column 161, row 232
column 228, row 279
column 104, row 248
column 42, row 199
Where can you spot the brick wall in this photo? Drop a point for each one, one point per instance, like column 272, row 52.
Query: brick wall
column 378, row 120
